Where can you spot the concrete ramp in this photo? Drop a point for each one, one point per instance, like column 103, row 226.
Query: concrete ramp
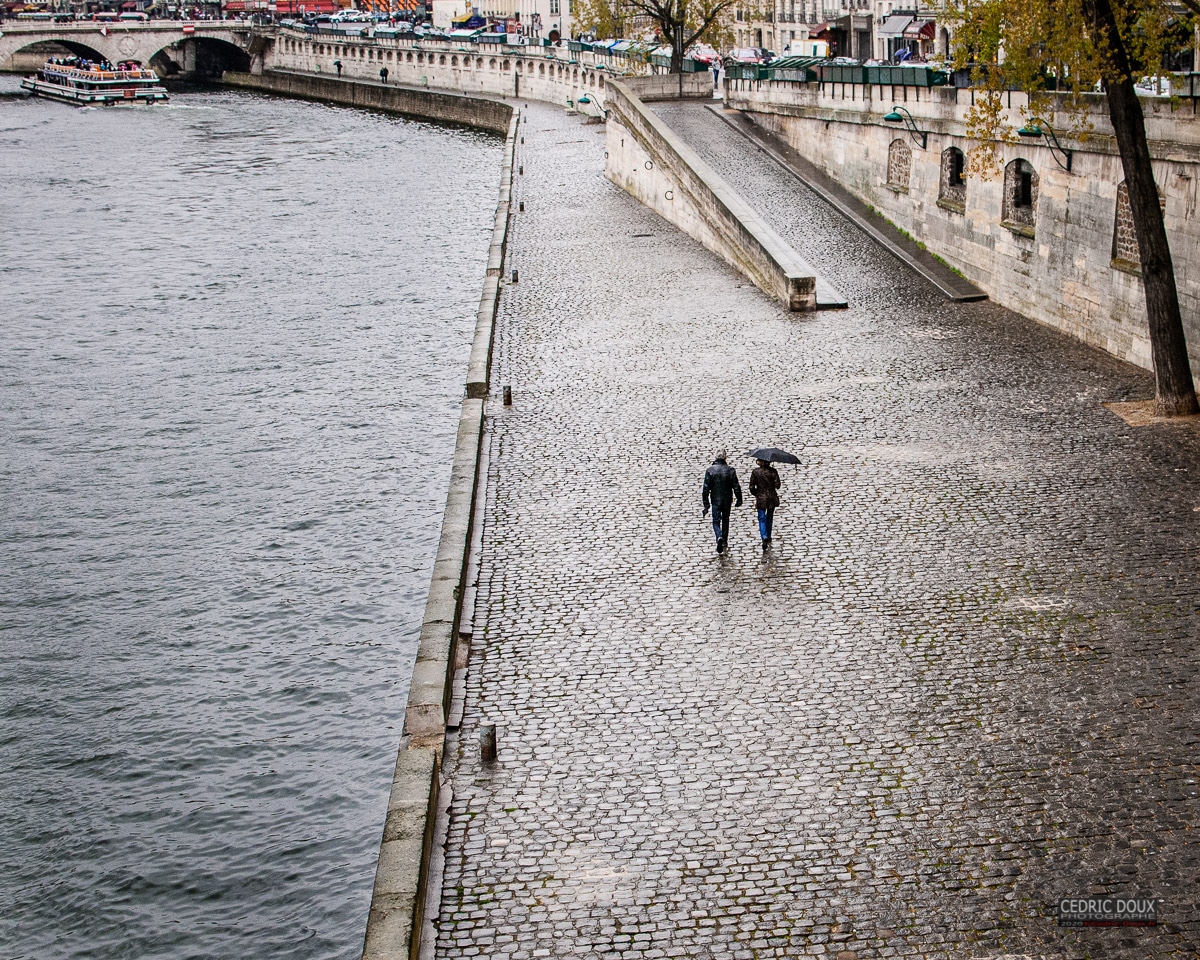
column 785, row 172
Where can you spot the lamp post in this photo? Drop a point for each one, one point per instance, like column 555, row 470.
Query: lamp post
column 1032, row 130
column 900, row 115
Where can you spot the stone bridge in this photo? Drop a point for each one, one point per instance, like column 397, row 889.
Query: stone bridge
column 172, row 47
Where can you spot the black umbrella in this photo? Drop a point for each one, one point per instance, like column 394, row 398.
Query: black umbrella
column 773, row 455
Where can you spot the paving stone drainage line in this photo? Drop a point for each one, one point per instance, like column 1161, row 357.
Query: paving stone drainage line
column 396, row 925
column 646, row 159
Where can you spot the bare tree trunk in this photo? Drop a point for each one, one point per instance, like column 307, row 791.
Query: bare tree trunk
column 1175, row 391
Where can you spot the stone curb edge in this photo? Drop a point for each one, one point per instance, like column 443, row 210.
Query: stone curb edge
column 397, row 915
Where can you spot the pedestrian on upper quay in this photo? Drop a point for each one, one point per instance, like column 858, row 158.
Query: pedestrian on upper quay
column 721, row 487
column 764, row 488
column 383, row 74
column 338, row 66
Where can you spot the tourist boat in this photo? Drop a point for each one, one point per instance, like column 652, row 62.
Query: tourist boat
column 87, row 83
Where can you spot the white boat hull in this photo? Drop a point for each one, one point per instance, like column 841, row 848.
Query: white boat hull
column 103, row 97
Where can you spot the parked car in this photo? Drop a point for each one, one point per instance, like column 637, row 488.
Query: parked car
column 749, row 55
column 703, row 53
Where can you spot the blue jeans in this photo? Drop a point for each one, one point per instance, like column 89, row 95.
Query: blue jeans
column 720, row 520
column 764, row 522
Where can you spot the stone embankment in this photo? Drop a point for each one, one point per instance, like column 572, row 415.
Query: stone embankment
column 440, row 105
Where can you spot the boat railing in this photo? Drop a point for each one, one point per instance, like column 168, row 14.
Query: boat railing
column 93, row 75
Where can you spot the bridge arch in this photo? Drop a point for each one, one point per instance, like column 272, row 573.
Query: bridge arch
column 199, row 56
column 87, row 51
column 203, row 49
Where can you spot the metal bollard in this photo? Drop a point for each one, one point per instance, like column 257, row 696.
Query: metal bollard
column 521, row 207
column 508, row 395
column 487, row 743
column 521, row 170
column 514, row 279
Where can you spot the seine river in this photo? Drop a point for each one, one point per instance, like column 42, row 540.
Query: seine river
column 235, row 333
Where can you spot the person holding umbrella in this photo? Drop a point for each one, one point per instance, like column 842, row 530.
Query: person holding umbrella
column 764, row 487
column 720, row 487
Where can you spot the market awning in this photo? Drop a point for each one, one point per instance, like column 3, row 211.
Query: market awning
column 820, row 28
column 919, row 30
column 894, row 25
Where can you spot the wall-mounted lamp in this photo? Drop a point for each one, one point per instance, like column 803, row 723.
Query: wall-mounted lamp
column 900, row 115
column 1033, row 130
column 588, row 100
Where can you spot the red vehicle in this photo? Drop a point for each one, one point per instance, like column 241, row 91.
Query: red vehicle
column 749, row 55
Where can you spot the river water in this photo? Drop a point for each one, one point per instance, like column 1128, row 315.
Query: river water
column 235, row 333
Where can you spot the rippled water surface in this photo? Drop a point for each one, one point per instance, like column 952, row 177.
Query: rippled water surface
column 235, row 333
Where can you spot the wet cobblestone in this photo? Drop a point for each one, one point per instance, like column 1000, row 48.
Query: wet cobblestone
column 960, row 687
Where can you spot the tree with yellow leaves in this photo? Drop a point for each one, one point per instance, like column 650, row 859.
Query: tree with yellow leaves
column 1062, row 51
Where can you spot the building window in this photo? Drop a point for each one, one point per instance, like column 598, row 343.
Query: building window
column 899, row 165
column 952, row 191
column 1020, row 197
column 1125, row 252
column 554, row 8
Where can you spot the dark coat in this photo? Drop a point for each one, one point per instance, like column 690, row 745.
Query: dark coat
column 764, row 481
column 720, row 485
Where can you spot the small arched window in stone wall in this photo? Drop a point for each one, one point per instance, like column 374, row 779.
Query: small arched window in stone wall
column 479, row 63
column 1125, row 252
column 541, row 69
column 1020, row 197
column 601, row 83
column 576, row 74
column 492, row 63
column 442, row 60
column 899, row 166
column 952, row 188
column 453, row 61
column 389, row 56
column 504, row 66
column 591, row 79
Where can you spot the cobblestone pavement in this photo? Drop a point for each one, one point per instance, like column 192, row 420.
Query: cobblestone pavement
column 961, row 685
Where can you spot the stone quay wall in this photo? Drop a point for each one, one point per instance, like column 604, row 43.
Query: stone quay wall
column 1067, row 262
column 646, row 159
column 443, row 106
column 550, row 74
column 409, row 853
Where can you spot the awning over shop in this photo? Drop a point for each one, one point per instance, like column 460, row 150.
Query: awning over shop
column 919, row 30
column 894, row 25
column 818, row 29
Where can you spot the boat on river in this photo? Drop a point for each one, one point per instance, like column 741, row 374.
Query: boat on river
column 88, row 83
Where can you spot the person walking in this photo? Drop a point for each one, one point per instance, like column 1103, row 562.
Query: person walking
column 764, row 487
column 720, row 488
column 338, row 66
column 383, row 72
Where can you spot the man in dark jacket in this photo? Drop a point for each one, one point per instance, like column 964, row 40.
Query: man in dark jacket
column 764, row 488
column 720, row 488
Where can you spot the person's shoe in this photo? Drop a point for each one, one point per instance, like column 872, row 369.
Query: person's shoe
column 720, row 545
column 766, row 543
